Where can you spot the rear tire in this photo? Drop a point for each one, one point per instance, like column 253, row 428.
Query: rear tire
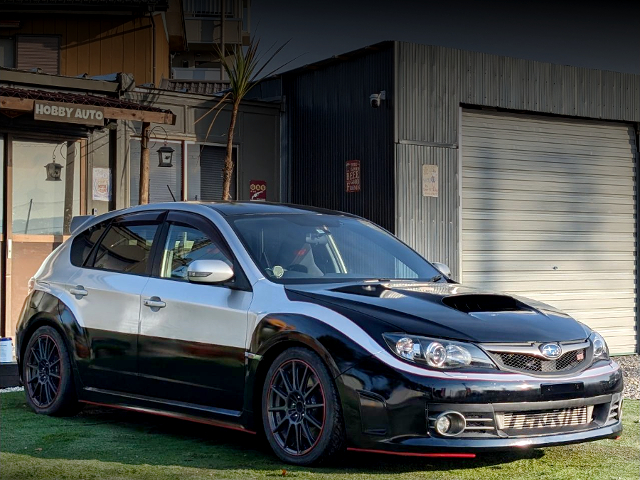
column 48, row 375
column 301, row 410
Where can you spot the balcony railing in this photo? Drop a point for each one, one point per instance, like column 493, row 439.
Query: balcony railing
column 213, row 8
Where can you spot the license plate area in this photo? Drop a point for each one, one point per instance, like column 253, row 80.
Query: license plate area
column 558, row 389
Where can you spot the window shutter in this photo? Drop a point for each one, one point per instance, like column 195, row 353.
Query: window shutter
column 38, row 51
column 211, row 166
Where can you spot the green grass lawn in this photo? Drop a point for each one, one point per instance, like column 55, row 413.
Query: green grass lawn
column 103, row 443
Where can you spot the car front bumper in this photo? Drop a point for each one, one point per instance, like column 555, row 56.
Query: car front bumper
column 392, row 410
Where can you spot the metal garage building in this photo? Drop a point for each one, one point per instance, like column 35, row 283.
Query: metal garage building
column 520, row 175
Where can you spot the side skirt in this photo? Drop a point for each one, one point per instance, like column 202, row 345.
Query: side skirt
column 216, row 417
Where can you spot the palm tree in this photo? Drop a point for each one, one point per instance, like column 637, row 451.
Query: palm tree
column 243, row 69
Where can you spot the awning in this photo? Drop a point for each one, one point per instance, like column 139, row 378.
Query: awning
column 28, row 100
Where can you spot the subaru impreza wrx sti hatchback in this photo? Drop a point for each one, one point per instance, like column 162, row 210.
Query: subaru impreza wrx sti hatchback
column 317, row 329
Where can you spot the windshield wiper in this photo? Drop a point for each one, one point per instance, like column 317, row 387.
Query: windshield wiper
column 437, row 278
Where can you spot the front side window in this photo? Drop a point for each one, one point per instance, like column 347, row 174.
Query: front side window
column 184, row 245
column 125, row 248
column 308, row 248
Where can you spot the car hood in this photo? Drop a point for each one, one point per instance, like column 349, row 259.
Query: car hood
column 444, row 310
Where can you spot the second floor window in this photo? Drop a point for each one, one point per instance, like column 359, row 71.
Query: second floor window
column 38, row 51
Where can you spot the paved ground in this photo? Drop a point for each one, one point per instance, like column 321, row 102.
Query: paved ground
column 630, row 365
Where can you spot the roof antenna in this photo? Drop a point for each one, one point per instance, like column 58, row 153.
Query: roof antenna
column 172, row 195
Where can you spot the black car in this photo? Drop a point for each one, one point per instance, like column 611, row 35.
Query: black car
column 317, row 329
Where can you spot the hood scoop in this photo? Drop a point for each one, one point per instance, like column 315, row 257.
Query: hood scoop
column 484, row 303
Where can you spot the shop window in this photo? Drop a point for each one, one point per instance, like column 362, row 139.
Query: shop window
column 44, row 202
column 165, row 183
column 125, row 248
column 204, row 173
column 7, row 51
column 38, row 51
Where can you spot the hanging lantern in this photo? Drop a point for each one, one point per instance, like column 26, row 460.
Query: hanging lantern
column 54, row 170
column 165, row 156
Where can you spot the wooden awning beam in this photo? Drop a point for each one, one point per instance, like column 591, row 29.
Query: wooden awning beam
column 26, row 105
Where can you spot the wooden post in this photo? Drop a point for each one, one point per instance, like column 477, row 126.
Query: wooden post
column 144, row 165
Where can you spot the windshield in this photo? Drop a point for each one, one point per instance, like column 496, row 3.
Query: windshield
column 312, row 248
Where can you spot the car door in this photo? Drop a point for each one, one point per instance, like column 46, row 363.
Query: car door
column 192, row 336
column 106, row 293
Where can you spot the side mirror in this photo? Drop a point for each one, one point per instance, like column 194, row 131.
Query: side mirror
column 209, row 271
column 442, row 268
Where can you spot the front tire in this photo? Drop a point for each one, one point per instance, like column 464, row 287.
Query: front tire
column 47, row 374
column 301, row 410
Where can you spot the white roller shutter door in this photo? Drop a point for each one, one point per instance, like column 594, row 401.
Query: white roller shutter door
column 548, row 212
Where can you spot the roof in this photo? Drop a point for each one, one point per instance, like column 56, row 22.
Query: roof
column 76, row 98
column 257, row 208
column 148, row 5
column 22, row 99
column 201, row 87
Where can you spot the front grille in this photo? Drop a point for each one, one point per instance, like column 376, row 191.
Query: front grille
column 566, row 417
column 529, row 363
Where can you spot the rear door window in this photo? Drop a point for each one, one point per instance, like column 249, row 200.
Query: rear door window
column 126, row 247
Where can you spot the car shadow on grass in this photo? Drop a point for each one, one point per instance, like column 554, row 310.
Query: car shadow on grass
column 110, row 435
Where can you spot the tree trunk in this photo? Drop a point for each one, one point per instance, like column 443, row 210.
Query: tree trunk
column 228, row 161
column 144, row 165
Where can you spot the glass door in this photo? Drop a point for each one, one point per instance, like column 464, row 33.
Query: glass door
column 44, row 178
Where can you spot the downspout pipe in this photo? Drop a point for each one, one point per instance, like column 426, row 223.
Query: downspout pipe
column 153, row 47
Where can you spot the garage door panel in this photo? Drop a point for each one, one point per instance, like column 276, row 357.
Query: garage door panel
column 575, row 226
column 521, row 186
column 596, row 267
column 548, row 126
column 504, row 238
column 593, row 220
column 549, row 141
column 475, row 198
column 550, row 165
column 548, row 212
column 551, row 257
column 544, row 147
column 498, row 175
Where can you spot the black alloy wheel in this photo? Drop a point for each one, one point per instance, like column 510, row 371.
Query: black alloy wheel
column 47, row 374
column 43, row 371
column 301, row 411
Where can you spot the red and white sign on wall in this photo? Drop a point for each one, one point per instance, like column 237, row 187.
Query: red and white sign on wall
column 353, row 176
column 258, row 190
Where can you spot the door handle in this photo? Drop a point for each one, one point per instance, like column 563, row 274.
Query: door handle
column 78, row 291
column 154, row 302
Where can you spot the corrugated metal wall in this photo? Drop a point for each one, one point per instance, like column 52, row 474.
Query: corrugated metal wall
column 331, row 121
column 429, row 224
column 433, row 82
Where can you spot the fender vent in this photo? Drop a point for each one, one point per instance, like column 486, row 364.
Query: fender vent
column 484, row 303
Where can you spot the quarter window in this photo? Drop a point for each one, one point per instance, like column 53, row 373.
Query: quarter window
column 84, row 242
column 126, row 247
column 184, row 245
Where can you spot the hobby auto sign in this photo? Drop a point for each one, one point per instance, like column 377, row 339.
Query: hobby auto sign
column 68, row 113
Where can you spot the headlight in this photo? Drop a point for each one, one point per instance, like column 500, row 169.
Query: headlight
column 600, row 349
column 441, row 354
